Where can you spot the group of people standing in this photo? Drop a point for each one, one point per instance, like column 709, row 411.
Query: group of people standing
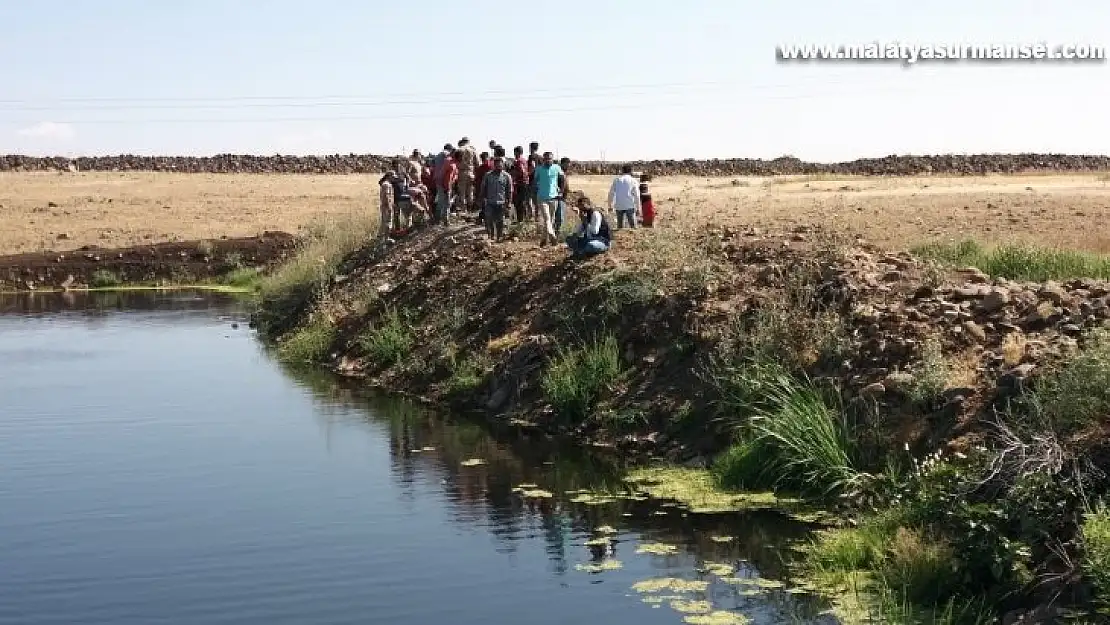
column 533, row 187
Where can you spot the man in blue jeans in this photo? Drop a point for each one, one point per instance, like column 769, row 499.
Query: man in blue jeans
column 592, row 235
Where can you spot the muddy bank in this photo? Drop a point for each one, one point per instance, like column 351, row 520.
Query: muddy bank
column 368, row 163
column 176, row 262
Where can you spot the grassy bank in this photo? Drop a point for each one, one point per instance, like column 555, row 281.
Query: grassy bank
column 959, row 429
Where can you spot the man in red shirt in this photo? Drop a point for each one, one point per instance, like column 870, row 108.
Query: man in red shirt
column 520, row 170
column 449, row 175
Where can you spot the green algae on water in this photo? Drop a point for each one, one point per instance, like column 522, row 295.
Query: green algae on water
column 591, row 499
column 657, row 549
column 598, row 567
column 658, row 599
column 698, row 492
column 757, row 582
column 719, row 569
column 691, row 607
column 720, row 617
column 536, row 494
column 606, row 529
column 672, row 584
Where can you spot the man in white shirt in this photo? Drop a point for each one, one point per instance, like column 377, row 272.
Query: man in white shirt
column 624, row 197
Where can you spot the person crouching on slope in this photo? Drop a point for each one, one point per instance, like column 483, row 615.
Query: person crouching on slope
column 592, row 236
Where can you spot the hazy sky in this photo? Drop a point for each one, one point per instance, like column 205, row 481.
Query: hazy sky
column 612, row 79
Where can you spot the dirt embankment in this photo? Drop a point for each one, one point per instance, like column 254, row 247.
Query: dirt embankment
column 931, row 352
column 159, row 263
column 368, row 163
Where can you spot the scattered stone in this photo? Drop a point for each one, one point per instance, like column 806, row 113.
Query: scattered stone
column 994, row 300
column 873, row 390
column 975, row 331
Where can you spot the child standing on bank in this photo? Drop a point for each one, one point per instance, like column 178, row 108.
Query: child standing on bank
column 647, row 207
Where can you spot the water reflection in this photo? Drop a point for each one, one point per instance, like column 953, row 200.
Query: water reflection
column 159, row 467
column 426, row 446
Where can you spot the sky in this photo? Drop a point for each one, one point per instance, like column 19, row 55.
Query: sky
column 603, row 79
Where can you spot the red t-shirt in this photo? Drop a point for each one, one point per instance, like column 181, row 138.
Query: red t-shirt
column 450, row 174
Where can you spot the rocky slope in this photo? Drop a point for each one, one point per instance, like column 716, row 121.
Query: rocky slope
column 367, row 163
column 514, row 306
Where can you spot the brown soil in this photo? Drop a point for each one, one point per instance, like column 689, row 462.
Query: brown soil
column 61, row 212
column 180, row 262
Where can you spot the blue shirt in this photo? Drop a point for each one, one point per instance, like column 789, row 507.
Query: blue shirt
column 547, row 181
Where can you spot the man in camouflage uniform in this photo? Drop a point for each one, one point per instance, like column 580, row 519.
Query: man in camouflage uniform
column 468, row 166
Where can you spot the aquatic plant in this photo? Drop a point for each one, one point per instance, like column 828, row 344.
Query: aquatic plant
column 576, row 379
column 309, row 343
column 1096, row 552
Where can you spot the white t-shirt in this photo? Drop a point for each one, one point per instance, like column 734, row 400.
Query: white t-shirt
column 624, row 194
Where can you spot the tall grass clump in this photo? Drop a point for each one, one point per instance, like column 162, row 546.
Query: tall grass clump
column 389, row 341
column 309, row 343
column 1020, row 261
column 1076, row 393
column 577, row 378
column 798, row 440
column 1096, row 552
column 288, row 292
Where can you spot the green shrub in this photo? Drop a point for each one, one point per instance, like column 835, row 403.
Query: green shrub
column 389, row 341
column 1020, row 262
column 1076, row 394
column 1096, row 552
column 309, row 343
column 243, row 277
column 104, row 279
column 577, row 378
column 468, row 374
column 930, row 378
column 918, row 567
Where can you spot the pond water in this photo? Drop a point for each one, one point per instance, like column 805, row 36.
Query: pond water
column 157, row 466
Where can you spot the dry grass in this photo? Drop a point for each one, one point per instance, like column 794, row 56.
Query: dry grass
column 119, row 209
column 1013, row 349
column 122, row 209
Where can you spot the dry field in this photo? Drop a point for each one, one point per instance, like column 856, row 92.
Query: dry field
column 40, row 211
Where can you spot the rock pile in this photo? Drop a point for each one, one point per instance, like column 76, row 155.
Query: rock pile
column 370, row 163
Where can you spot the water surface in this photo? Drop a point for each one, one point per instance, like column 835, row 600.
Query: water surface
column 157, row 466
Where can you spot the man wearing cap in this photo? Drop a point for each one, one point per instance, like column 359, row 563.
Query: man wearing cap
column 468, row 166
